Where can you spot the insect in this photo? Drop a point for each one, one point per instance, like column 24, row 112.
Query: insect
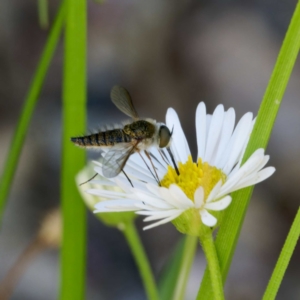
column 139, row 135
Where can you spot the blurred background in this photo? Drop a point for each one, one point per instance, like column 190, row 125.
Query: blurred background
column 167, row 54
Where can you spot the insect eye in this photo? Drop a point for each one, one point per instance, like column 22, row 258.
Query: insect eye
column 164, row 136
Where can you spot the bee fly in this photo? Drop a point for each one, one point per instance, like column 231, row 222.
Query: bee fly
column 121, row 142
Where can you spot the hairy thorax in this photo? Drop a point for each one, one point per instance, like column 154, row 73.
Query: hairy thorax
column 142, row 131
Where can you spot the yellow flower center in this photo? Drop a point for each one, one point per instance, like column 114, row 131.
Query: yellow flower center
column 193, row 175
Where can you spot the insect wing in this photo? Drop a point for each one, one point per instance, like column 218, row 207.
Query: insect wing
column 122, row 100
column 115, row 160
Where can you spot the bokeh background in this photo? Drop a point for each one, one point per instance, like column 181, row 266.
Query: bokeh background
column 167, row 54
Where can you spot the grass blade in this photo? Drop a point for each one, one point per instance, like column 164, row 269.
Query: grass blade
column 284, row 259
column 28, row 108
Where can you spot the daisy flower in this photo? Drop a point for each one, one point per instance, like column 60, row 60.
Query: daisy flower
column 190, row 193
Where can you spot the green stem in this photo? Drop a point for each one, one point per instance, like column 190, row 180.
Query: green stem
column 73, row 253
column 284, row 259
column 141, row 260
column 43, row 13
column 215, row 274
column 190, row 246
column 14, row 151
column 232, row 222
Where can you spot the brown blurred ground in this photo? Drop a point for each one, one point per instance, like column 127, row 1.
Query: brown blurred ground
column 166, row 53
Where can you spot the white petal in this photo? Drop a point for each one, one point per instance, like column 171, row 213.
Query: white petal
column 208, row 121
column 139, row 164
column 258, row 159
column 259, row 177
column 166, row 195
column 153, row 189
column 159, row 161
column 154, row 205
column 136, row 162
column 102, row 182
column 148, row 207
column 199, row 197
column 201, row 129
column 182, row 200
column 212, row 195
column 99, row 170
column 245, row 146
column 106, row 193
column 261, row 163
column 241, row 134
column 265, row 173
column 161, row 215
column 166, row 220
column 207, row 218
column 153, row 201
column 243, row 172
column 225, row 136
column 97, row 163
column 179, row 141
column 231, row 145
column 219, row 205
column 117, row 205
column 214, row 133
column 138, row 173
column 123, row 183
column 159, row 169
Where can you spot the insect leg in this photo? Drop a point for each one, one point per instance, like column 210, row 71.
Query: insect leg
column 127, row 178
column 164, row 156
column 173, row 160
column 148, row 167
column 155, row 158
column 149, row 157
column 89, row 179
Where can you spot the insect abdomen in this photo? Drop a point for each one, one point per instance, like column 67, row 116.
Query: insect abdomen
column 102, row 139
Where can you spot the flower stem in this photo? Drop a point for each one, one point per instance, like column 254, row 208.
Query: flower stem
column 141, row 260
column 190, row 246
column 209, row 249
column 284, row 259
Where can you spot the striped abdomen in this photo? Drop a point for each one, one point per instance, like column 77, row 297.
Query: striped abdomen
column 102, row 139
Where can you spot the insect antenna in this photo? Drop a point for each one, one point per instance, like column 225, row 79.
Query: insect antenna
column 173, row 160
column 149, row 157
column 149, row 168
column 128, row 178
column 88, row 180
